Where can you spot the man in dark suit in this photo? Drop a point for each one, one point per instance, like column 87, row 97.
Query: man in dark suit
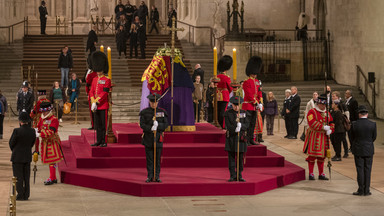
column 294, row 113
column 363, row 133
column 352, row 105
column 21, row 143
column 198, row 72
column 43, row 17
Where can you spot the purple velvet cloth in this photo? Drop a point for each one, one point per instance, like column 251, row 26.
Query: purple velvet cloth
column 144, row 93
column 183, row 113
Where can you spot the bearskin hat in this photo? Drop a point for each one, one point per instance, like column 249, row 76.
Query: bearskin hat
column 254, row 66
column 225, row 63
column 99, row 62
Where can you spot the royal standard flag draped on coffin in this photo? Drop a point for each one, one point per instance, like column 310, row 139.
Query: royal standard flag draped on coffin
column 157, row 78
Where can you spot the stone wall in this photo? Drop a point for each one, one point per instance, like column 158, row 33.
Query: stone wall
column 358, row 39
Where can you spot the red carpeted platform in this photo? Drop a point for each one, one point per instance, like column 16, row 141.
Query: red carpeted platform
column 193, row 164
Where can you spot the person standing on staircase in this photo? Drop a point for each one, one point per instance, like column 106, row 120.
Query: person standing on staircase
column 65, row 65
column 92, row 40
column 43, row 17
column 142, row 37
column 134, row 36
column 121, row 41
column 58, row 97
column 154, row 19
column 142, row 12
column 172, row 13
column 73, row 90
column 197, row 97
column 129, row 12
column 3, row 110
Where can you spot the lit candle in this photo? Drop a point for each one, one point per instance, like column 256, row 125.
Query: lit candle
column 102, row 48
column 234, row 65
column 214, row 61
column 109, row 63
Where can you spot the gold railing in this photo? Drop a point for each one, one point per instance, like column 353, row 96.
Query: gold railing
column 102, row 25
column 61, row 23
column 12, row 202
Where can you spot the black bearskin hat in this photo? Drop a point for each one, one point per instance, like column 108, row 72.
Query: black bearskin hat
column 99, row 62
column 225, row 63
column 254, row 66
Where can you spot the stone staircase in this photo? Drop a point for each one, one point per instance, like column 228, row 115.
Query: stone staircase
column 10, row 72
column 43, row 52
column 202, row 55
column 306, row 89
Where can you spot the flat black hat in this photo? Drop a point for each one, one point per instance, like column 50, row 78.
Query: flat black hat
column 153, row 97
column 235, row 100
column 41, row 92
column 225, row 63
column 99, row 62
column 45, row 106
column 24, row 117
column 322, row 99
column 254, row 65
column 362, row 109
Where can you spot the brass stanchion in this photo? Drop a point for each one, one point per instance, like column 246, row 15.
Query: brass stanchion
column 29, row 74
column 9, row 116
column 76, row 109
column 215, row 80
column 111, row 138
column 12, row 203
column 278, row 119
column 22, row 73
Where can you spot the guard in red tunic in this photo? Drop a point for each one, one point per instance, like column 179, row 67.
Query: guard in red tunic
column 223, row 87
column 36, row 114
column 88, row 79
column 317, row 137
column 252, row 96
column 47, row 129
column 100, row 88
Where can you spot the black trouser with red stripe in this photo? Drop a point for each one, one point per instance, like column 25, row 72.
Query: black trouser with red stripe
column 101, row 120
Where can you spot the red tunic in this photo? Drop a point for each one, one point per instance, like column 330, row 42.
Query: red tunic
column 316, row 140
column 50, row 143
column 223, row 87
column 35, row 113
column 252, row 95
column 89, row 80
column 99, row 92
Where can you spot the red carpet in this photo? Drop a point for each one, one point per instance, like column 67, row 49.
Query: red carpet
column 193, row 164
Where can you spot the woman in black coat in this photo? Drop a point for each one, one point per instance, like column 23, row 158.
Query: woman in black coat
column 121, row 41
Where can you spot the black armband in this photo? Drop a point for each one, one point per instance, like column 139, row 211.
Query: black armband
column 52, row 128
column 106, row 89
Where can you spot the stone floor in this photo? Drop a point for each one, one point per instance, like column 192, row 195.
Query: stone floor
column 303, row 198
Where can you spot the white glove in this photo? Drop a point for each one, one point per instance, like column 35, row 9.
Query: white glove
column 328, row 132
column 154, row 128
column 238, row 129
column 155, row 123
column 23, row 110
column 326, row 128
column 94, row 107
column 37, row 134
column 238, row 124
column 260, row 106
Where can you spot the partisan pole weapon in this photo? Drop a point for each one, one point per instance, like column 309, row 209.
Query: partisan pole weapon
column 328, row 152
column 238, row 144
column 154, row 145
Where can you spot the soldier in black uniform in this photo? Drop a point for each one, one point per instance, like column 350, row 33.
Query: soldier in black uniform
column 235, row 123
column 21, row 143
column 149, row 124
column 25, row 99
